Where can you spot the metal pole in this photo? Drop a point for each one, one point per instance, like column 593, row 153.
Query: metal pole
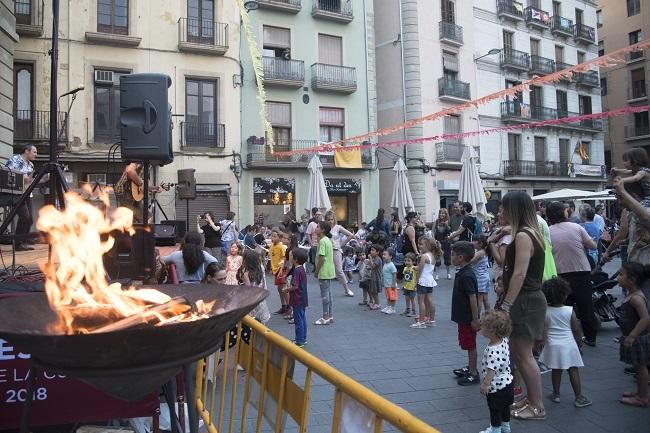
column 54, row 63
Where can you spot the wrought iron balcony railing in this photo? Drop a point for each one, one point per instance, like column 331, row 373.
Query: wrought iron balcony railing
column 259, row 155
column 450, row 33
column 514, row 59
column 585, row 34
column 34, row 126
column 333, row 77
column 510, row 9
column 450, row 88
column 514, row 110
column 588, row 79
column 290, row 6
column 452, row 153
column 561, row 26
column 537, row 18
column 541, row 65
column 29, row 17
column 197, row 134
column 202, row 35
column 335, row 10
column 551, row 169
column 635, row 132
column 284, row 72
column 582, row 124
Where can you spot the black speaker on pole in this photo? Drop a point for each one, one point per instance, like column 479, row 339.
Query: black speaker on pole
column 186, row 184
column 145, row 118
column 132, row 257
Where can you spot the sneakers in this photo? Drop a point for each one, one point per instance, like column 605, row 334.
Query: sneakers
column 491, row 429
column 543, row 369
column 554, row 397
column 388, row 310
column 418, row 325
column 582, row 401
column 461, row 372
column 349, row 293
column 322, row 321
column 591, row 343
column 430, row 323
column 449, row 276
column 375, row 307
column 411, row 314
column 470, row 379
column 405, row 312
column 437, row 276
column 505, row 427
column 282, row 310
column 303, row 344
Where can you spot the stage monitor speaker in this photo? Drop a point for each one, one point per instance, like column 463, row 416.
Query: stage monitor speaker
column 186, row 184
column 145, row 118
column 132, row 257
column 164, row 234
column 180, row 228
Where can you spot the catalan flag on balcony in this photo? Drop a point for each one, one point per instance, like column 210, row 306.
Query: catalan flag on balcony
column 347, row 158
column 581, row 150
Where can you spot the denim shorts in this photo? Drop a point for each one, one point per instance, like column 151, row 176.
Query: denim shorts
column 408, row 293
column 424, row 290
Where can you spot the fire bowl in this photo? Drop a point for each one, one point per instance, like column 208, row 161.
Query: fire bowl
column 133, row 362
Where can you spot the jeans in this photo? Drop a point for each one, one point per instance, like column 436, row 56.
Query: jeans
column 338, row 267
column 580, row 298
column 326, row 296
column 24, row 224
column 225, row 247
column 300, row 324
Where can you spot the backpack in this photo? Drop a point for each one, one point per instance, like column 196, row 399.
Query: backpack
column 478, row 228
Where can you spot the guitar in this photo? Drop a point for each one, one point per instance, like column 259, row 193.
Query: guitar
column 137, row 191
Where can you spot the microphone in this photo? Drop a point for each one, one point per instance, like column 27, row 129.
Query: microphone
column 79, row 88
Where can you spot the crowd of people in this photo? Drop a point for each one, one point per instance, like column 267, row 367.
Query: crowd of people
column 537, row 258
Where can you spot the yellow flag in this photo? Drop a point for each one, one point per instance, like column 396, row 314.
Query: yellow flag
column 347, row 158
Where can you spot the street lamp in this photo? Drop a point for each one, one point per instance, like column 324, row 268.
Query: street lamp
column 492, row 52
column 251, row 5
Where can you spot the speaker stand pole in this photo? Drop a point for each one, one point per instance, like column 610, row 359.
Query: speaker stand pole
column 145, row 198
column 187, row 215
column 156, row 204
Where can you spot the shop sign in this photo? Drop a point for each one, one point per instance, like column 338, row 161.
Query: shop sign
column 346, row 186
column 273, row 185
column 587, row 170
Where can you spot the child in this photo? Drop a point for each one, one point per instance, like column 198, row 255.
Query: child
column 480, row 268
column 390, row 281
column 291, row 242
column 325, row 271
column 563, row 338
column 426, row 282
column 348, row 263
column 362, row 233
column 375, row 283
column 635, row 324
column 495, row 367
column 276, row 253
column 233, row 262
column 636, row 168
column 465, row 309
column 363, row 267
column 409, row 275
column 298, row 294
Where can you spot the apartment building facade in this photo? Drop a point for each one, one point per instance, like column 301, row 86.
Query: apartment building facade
column 195, row 42
column 451, row 52
column 623, row 23
column 319, row 77
column 8, row 39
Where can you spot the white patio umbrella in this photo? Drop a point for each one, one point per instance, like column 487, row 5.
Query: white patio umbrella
column 471, row 189
column 567, row 193
column 402, row 200
column 317, row 196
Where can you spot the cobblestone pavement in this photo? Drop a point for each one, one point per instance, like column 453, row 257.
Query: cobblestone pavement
column 412, row 368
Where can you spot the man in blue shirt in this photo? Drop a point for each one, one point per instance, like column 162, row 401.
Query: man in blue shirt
column 23, row 164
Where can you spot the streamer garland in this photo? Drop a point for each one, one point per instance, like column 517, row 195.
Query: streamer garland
column 258, row 70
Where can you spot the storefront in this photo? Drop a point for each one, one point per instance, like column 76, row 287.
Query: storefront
column 273, row 199
column 345, row 195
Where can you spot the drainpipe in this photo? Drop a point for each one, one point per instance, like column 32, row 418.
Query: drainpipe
column 401, row 51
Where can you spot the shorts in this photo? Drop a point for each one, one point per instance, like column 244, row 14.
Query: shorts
column 391, row 294
column 466, row 337
column 424, row 290
column 364, row 284
column 408, row 293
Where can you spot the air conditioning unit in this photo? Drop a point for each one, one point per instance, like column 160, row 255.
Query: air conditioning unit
column 103, row 77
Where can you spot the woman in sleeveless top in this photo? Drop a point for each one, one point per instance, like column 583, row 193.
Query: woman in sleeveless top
column 410, row 241
column 524, row 300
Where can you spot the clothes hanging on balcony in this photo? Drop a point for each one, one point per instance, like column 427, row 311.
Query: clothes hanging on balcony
column 518, row 7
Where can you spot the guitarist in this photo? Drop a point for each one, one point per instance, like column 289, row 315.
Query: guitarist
column 129, row 189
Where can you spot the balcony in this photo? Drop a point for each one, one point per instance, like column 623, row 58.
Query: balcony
column 510, row 10
column 537, row 18
column 29, row 17
column 514, row 60
column 453, row 90
column 560, row 66
column 513, row 111
column 196, row 134
column 541, row 65
column 561, row 26
column 202, row 36
column 333, row 10
column 289, row 6
column 450, row 33
column 449, row 155
column 635, row 56
column 637, row 91
column 258, row 154
column 589, row 125
column 281, row 72
column 633, row 133
column 333, row 78
column 585, row 34
column 587, row 79
column 517, row 169
column 33, row 127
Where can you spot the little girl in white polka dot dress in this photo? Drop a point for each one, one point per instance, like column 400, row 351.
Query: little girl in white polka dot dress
column 495, row 365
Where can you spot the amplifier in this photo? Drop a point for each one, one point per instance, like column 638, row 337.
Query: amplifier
column 10, row 182
column 164, row 234
column 132, row 257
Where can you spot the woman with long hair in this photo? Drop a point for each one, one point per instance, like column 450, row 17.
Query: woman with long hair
column 441, row 232
column 340, row 237
column 395, row 225
column 410, row 240
column 191, row 260
column 524, row 300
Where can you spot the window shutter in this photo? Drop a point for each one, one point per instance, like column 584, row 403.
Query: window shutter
column 449, row 61
column 279, row 113
column 277, row 37
column 330, row 50
column 331, row 116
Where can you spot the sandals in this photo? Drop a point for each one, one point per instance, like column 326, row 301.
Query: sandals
column 531, row 413
column 634, row 401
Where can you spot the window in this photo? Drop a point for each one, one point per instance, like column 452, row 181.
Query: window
column 330, row 50
column 279, row 115
column 561, row 103
column 514, row 147
column 584, row 102
column 507, row 40
column 332, row 124
column 107, row 105
column 450, row 65
column 564, row 150
column 601, row 48
column 556, row 9
column 579, row 20
column 201, row 125
column 447, row 11
column 24, row 101
column 599, row 18
column 277, row 42
column 603, row 87
column 451, row 125
column 534, row 47
column 200, row 21
column 637, row 80
column 635, row 37
column 633, row 7
column 641, row 124
column 536, row 96
column 540, row 148
column 580, row 57
column 113, row 16
column 559, row 53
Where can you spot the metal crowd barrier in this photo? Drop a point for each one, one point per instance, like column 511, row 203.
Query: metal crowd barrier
column 274, row 390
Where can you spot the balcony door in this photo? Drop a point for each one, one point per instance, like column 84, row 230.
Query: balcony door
column 513, row 103
column 201, row 112
column 536, row 104
column 330, row 50
column 447, row 10
column 200, row 21
column 23, row 100
column 562, row 103
column 565, row 151
column 540, row 157
column 23, row 10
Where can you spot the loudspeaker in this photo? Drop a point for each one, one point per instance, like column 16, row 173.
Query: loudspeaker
column 164, row 234
column 186, row 184
column 131, row 257
column 145, row 118
column 180, row 228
